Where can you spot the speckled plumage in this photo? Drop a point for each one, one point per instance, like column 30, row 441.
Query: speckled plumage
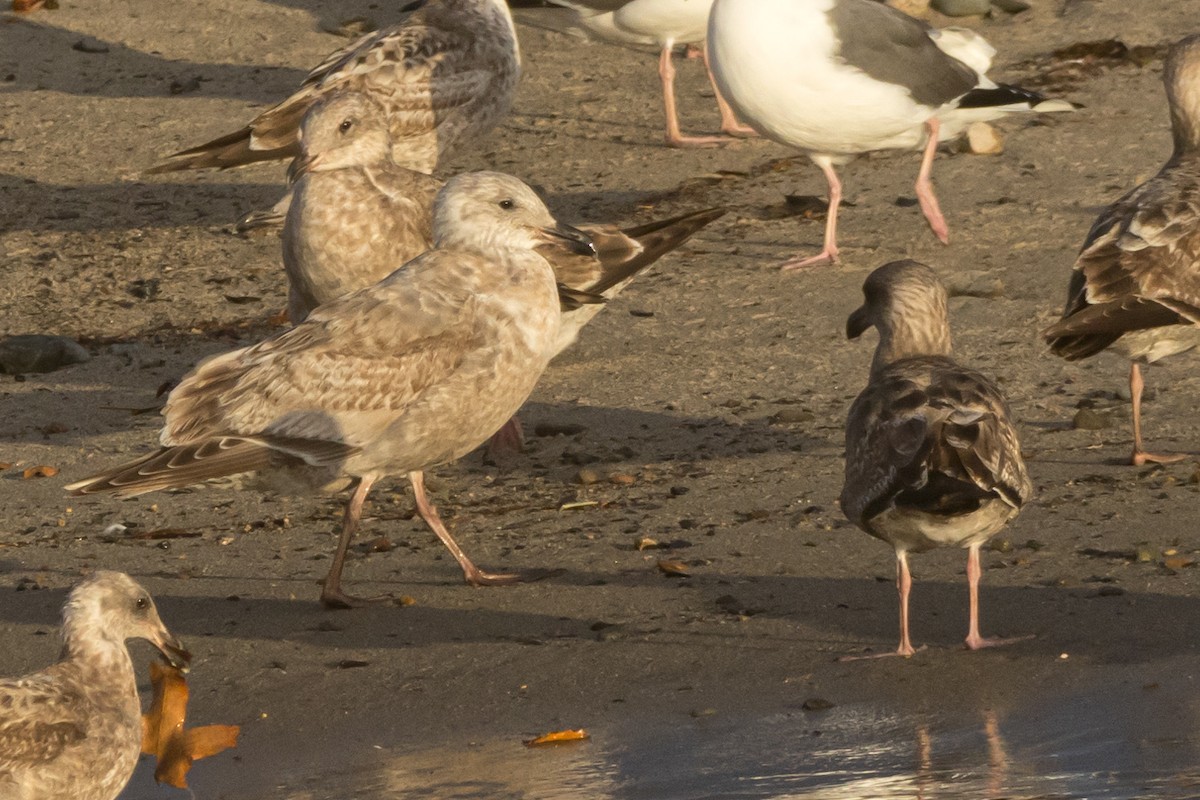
column 355, row 216
column 74, row 729
column 414, row 371
column 932, row 456
column 1135, row 286
column 445, row 74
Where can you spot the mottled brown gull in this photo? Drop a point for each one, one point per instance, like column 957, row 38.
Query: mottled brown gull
column 74, row 730
column 409, row 373
column 932, row 457
column 1136, row 282
column 836, row 78
column 445, row 74
column 355, row 215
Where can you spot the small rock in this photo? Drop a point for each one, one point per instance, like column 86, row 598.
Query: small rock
column 914, row 8
column 817, row 704
column 974, row 283
column 39, row 353
column 89, row 45
column 1086, row 419
column 622, row 479
column 984, row 140
column 587, row 476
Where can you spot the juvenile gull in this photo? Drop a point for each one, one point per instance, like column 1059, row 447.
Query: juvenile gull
column 662, row 23
column 355, row 216
column 74, row 729
column 836, row 78
column 409, row 373
column 932, row 457
column 1136, row 282
column 445, row 74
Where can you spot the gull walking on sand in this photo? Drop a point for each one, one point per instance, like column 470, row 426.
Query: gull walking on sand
column 663, row 24
column 444, row 75
column 1136, row 282
column 932, row 457
column 409, row 373
column 74, row 729
column 837, row 78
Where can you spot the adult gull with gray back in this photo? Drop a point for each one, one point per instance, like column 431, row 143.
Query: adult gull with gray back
column 661, row 23
column 932, row 457
column 836, row 78
column 409, row 373
column 73, row 731
column 445, row 74
column 1136, row 282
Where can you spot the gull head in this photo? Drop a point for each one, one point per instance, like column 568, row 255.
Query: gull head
column 345, row 129
column 906, row 302
column 483, row 211
column 111, row 607
column 1181, row 74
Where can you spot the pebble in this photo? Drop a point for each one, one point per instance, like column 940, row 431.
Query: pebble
column 90, row 45
column 39, row 353
column 984, row 140
column 974, row 283
column 587, row 476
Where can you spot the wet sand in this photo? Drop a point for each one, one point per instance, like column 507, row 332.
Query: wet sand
column 716, row 384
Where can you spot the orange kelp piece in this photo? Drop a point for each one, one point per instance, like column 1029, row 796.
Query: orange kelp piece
column 558, row 737
column 164, row 735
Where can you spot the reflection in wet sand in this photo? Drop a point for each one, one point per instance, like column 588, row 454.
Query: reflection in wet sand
column 1122, row 742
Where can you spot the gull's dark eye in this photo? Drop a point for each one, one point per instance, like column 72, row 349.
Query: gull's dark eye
column 142, row 603
column 346, row 125
column 507, row 205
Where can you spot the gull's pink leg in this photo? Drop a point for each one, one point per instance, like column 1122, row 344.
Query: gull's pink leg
column 666, row 71
column 509, row 439
column 903, row 587
column 332, row 595
column 1140, row 456
column 974, row 573
column 830, row 251
column 925, row 195
column 471, row 573
column 730, row 124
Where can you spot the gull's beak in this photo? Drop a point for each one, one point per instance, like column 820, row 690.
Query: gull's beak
column 570, row 239
column 301, row 166
column 172, row 650
column 857, row 323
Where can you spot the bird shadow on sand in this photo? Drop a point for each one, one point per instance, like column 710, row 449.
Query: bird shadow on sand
column 120, row 205
column 832, row 617
column 122, row 71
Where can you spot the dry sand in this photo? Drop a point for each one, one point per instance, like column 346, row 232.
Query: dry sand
column 715, row 384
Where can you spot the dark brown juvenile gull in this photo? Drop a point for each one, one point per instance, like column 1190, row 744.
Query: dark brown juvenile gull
column 445, row 74
column 836, row 78
column 73, row 731
column 1136, row 282
column 409, row 373
column 932, row 457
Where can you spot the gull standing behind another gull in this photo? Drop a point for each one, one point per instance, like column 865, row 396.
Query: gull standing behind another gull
column 412, row 372
column 836, row 78
column 445, row 74
column 354, row 215
column 73, row 731
column 1136, row 282
column 662, row 23
column 932, row 457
